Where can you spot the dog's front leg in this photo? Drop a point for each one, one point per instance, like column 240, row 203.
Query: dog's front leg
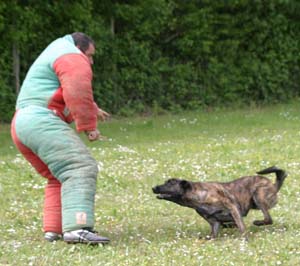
column 236, row 215
column 215, row 226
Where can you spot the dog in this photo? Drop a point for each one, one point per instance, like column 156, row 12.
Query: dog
column 224, row 204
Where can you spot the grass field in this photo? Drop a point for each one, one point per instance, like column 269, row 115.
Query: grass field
column 142, row 152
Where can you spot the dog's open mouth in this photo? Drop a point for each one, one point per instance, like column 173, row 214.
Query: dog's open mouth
column 160, row 194
column 163, row 196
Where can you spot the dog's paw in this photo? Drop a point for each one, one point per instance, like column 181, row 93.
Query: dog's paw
column 261, row 222
column 205, row 238
column 244, row 237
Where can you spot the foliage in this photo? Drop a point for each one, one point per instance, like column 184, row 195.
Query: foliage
column 143, row 152
column 172, row 54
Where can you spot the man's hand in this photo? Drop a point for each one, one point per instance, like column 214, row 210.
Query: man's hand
column 93, row 134
column 102, row 115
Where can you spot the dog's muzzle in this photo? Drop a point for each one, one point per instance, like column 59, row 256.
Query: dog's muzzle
column 156, row 190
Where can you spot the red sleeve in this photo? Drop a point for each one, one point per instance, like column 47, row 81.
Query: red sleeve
column 75, row 76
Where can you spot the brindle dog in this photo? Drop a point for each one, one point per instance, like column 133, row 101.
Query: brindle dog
column 224, row 204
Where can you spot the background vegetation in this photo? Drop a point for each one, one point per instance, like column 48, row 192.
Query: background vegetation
column 140, row 153
column 162, row 54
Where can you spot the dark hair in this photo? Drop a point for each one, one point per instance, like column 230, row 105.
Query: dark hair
column 82, row 41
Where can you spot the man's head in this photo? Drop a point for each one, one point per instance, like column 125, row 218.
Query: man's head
column 85, row 44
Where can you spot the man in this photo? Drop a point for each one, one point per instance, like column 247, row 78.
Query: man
column 56, row 91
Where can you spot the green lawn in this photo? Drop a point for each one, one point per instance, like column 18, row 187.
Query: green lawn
column 142, row 152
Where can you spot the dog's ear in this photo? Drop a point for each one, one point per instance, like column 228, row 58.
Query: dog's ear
column 186, row 185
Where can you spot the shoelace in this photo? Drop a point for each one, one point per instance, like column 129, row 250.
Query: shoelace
column 83, row 234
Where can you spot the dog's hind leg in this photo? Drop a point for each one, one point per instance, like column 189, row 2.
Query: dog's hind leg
column 264, row 206
column 267, row 217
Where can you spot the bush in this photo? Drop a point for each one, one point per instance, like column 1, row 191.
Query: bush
column 172, row 54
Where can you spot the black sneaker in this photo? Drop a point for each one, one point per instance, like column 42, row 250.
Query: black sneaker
column 84, row 236
column 51, row 236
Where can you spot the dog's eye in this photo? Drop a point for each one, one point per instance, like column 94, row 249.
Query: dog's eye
column 172, row 181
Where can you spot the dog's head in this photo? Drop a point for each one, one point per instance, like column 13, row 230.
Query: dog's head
column 172, row 190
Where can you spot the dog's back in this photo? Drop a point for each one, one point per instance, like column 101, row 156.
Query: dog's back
column 251, row 183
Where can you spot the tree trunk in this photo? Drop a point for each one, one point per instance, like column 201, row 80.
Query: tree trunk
column 112, row 26
column 16, row 66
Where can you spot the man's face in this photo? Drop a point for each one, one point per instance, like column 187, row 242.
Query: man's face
column 90, row 53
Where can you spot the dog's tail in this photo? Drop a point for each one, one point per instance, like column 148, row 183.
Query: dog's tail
column 280, row 175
